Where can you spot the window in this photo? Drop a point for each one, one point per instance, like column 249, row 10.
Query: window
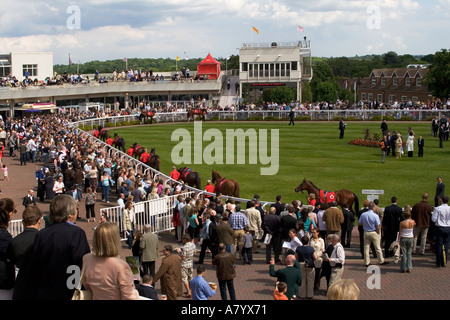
column 244, row 66
column 272, row 69
column 391, row 98
column 415, row 99
column 363, row 96
column 374, row 81
column 408, row 81
column 383, row 81
column 380, row 98
column 395, row 81
column 30, row 69
column 294, row 65
column 418, row 82
column 370, row 96
column 404, row 98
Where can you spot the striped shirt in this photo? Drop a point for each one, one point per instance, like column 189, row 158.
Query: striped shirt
column 188, row 250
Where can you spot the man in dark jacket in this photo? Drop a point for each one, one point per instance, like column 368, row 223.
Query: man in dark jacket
column 57, row 247
column 271, row 225
column 347, row 226
column 440, row 191
column 32, row 218
column 224, row 263
column 393, row 142
column 393, row 215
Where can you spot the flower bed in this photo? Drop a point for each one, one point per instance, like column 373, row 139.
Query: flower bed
column 366, row 143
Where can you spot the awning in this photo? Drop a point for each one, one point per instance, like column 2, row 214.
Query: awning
column 39, row 106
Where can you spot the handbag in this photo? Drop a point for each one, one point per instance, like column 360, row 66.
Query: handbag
column 82, row 294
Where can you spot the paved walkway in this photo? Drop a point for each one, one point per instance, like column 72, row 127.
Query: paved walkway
column 426, row 282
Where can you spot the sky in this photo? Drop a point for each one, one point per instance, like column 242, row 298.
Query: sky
column 115, row 29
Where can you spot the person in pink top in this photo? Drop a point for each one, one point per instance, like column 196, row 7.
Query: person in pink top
column 106, row 274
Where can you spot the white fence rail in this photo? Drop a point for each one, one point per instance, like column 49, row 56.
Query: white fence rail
column 157, row 213
column 308, row 115
column 15, row 227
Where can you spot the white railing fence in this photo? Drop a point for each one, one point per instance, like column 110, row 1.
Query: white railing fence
column 255, row 115
column 15, row 227
column 157, row 213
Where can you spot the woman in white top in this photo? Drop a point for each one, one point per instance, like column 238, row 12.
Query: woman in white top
column 319, row 247
column 58, row 186
column 406, row 238
column 295, row 241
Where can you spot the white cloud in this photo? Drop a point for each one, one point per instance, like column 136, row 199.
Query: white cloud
column 112, row 29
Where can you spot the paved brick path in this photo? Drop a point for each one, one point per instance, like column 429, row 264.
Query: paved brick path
column 253, row 282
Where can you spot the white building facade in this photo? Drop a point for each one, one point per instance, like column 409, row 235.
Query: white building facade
column 37, row 65
column 270, row 65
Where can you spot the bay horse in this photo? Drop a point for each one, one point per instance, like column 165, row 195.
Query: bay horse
column 342, row 196
column 192, row 112
column 104, row 134
column 190, row 177
column 119, row 142
column 146, row 114
column 138, row 150
column 227, row 187
column 154, row 160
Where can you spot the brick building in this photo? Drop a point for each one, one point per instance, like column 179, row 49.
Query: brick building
column 395, row 84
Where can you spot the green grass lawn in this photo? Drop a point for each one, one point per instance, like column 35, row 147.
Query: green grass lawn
column 313, row 150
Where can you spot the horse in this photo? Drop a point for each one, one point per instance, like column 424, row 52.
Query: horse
column 190, row 177
column 145, row 114
column 138, row 150
column 227, row 187
column 192, row 112
column 342, row 196
column 103, row 135
column 119, row 142
column 154, row 160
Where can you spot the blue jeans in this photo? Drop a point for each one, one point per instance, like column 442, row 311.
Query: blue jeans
column 105, row 193
column 229, row 248
column 406, row 245
column 442, row 238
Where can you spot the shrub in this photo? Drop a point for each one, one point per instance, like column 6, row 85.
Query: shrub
column 303, row 118
column 337, row 118
column 377, row 118
column 110, row 125
column 271, row 118
column 406, row 118
column 86, row 127
column 255, row 118
column 389, row 118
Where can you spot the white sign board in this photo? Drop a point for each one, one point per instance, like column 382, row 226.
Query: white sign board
column 369, row 191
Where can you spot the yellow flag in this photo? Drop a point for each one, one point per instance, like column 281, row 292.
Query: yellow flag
column 178, row 58
column 254, row 29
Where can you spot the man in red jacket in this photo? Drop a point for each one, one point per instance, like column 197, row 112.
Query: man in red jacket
column 145, row 156
column 109, row 141
column 175, row 175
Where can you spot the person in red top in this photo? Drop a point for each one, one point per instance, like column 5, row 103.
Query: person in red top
column 175, row 175
column 109, row 141
column 312, row 199
column 130, row 151
column 209, row 188
column 96, row 133
column 144, row 156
